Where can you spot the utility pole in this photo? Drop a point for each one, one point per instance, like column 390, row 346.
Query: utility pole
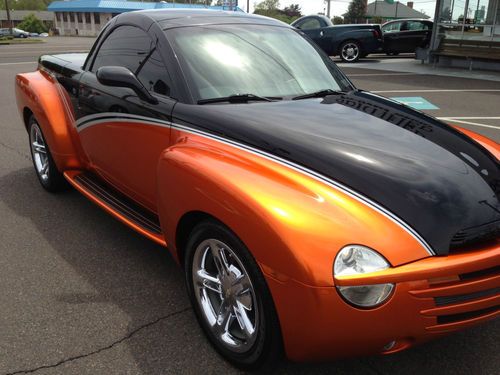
column 9, row 21
column 327, row 8
column 248, row 6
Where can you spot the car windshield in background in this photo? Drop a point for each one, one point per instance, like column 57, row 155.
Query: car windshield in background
column 266, row 61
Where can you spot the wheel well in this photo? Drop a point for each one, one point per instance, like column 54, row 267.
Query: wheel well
column 27, row 113
column 185, row 226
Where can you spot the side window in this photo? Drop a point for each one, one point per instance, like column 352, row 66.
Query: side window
column 310, row 23
column 415, row 25
column 132, row 48
column 153, row 73
column 125, row 46
column 392, row 27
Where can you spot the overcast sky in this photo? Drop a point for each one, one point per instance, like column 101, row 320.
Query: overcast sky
column 339, row 7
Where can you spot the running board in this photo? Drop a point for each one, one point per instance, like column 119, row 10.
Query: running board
column 117, row 204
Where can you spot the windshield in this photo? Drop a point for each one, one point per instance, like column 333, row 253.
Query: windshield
column 267, row 61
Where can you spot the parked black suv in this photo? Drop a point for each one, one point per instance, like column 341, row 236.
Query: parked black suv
column 401, row 36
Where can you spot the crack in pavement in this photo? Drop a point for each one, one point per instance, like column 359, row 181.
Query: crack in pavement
column 97, row 351
column 15, row 150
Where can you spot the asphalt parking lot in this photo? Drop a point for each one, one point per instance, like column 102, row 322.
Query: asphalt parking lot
column 83, row 294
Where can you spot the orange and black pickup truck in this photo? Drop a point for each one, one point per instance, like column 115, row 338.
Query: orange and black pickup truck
column 311, row 218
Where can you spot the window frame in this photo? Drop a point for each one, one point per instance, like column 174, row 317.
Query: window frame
column 307, row 19
column 391, row 24
column 105, row 34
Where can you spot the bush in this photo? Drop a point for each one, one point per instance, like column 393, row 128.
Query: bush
column 337, row 20
column 270, row 8
column 32, row 24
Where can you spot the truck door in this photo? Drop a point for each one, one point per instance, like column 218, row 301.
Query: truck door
column 122, row 134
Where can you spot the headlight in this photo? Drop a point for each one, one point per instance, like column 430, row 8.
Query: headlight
column 354, row 260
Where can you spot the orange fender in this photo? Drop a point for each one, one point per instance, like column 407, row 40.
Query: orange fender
column 487, row 143
column 293, row 224
column 39, row 93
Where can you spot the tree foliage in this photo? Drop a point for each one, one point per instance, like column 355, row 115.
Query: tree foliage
column 267, row 6
column 271, row 8
column 32, row 24
column 337, row 20
column 293, row 11
column 356, row 12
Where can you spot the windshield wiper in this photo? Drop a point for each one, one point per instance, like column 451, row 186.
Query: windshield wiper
column 239, row 98
column 318, row 94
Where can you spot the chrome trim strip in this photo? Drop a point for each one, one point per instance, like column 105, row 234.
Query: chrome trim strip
column 107, row 115
column 92, row 120
column 89, row 124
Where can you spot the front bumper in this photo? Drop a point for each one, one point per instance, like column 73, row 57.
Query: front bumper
column 432, row 297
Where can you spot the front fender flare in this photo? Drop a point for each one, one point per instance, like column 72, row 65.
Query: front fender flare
column 293, row 224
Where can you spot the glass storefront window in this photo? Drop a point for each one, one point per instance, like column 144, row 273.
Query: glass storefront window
column 446, row 11
column 469, row 19
column 482, row 11
column 458, row 11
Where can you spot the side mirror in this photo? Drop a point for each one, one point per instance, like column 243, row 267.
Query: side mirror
column 119, row 76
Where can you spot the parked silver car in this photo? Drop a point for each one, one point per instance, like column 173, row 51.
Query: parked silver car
column 17, row 33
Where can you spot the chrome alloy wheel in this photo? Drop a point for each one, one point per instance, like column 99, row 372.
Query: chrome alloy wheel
column 350, row 51
column 225, row 294
column 39, row 152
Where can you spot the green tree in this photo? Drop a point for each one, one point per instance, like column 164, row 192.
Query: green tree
column 293, row 10
column 270, row 8
column 267, row 7
column 32, row 24
column 356, row 12
column 337, row 20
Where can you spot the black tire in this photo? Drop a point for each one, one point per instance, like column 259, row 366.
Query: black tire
column 53, row 180
column 350, row 51
column 266, row 350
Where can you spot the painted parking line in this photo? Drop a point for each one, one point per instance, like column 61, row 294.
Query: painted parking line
column 443, row 90
column 453, row 119
column 474, row 118
column 41, row 51
column 381, row 74
column 18, row 63
column 416, row 102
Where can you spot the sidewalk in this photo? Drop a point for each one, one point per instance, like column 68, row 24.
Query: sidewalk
column 410, row 65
